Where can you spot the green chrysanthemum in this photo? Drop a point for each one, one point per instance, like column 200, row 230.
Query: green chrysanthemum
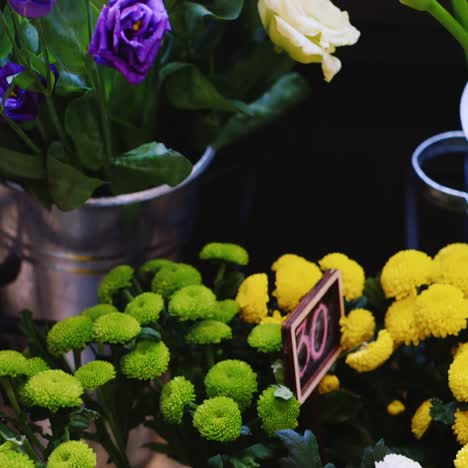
column 147, row 271
column 118, row 278
column 225, row 252
column 171, row 278
column 147, row 361
column 95, row 374
column 35, row 365
column 93, row 313
column 192, row 303
column 146, row 307
column 226, row 310
column 12, row 459
column 70, row 333
column 266, row 338
column 234, row 379
column 175, row 396
column 116, row 328
column 72, row 454
column 12, row 364
column 53, row 389
column 277, row 413
column 208, row 332
column 218, row 419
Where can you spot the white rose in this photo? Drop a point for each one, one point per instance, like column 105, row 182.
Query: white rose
column 397, row 461
column 308, row 30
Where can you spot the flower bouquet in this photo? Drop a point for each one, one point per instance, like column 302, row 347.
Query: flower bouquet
column 94, row 95
column 203, row 368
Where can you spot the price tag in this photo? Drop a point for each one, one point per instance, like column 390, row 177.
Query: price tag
column 311, row 335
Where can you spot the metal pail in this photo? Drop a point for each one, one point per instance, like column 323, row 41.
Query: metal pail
column 51, row 261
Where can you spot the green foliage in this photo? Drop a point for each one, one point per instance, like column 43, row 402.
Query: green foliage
column 303, row 450
column 443, row 412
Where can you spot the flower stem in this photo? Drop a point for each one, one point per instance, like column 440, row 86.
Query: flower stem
column 21, row 133
column 45, row 52
column 210, row 356
column 219, row 277
column 449, row 23
column 23, row 425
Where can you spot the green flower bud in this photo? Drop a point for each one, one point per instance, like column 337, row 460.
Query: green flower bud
column 147, row 271
column 35, row 365
column 12, row 364
column 12, row 459
column 234, row 379
column 192, row 303
column 72, row 454
column 266, row 338
column 93, row 313
column 118, row 278
column 147, row 361
column 95, row 374
column 171, row 278
column 277, row 413
column 116, row 328
column 146, row 307
column 225, row 252
column 53, row 389
column 218, row 419
column 208, row 332
column 175, row 396
column 226, row 310
column 69, row 334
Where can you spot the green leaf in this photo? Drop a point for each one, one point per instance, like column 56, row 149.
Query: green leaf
column 260, row 452
column 283, row 392
column 443, row 412
column 230, row 285
column 303, row 450
column 148, row 333
column 5, row 43
column 147, row 166
column 375, row 294
column 339, row 406
column 66, row 33
column 69, row 83
column 26, row 80
column 286, row 92
column 374, row 454
column 216, row 462
column 29, row 34
column 187, row 88
column 82, row 124
column 69, row 187
column 16, row 164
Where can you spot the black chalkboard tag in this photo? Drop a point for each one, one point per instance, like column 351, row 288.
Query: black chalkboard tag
column 311, row 335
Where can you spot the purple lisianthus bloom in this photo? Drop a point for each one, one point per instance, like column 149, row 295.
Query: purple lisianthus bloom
column 21, row 105
column 32, row 8
column 128, row 36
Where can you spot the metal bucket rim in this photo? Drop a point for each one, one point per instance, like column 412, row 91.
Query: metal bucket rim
column 450, row 193
column 146, row 195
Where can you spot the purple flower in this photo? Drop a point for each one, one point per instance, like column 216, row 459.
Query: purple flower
column 128, row 36
column 32, row 8
column 21, row 105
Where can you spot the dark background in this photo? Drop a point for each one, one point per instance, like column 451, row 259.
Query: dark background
column 331, row 174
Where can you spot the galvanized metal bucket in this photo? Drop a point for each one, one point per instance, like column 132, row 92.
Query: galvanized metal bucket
column 51, row 262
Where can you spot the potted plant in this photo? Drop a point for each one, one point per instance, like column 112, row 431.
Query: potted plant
column 106, row 108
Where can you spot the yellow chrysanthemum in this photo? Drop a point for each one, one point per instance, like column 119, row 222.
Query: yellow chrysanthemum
column 275, row 318
column 441, row 310
column 406, row 271
column 458, row 377
column 352, row 273
column 421, row 419
column 461, row 460
column 451, row 266
column 400, row 321
column 460, row 426
column 373, row 355
column 295, row 277
column 328, row 384
column 459, row 349
column 356, row 328
column 395, row 408
column 252, row 298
